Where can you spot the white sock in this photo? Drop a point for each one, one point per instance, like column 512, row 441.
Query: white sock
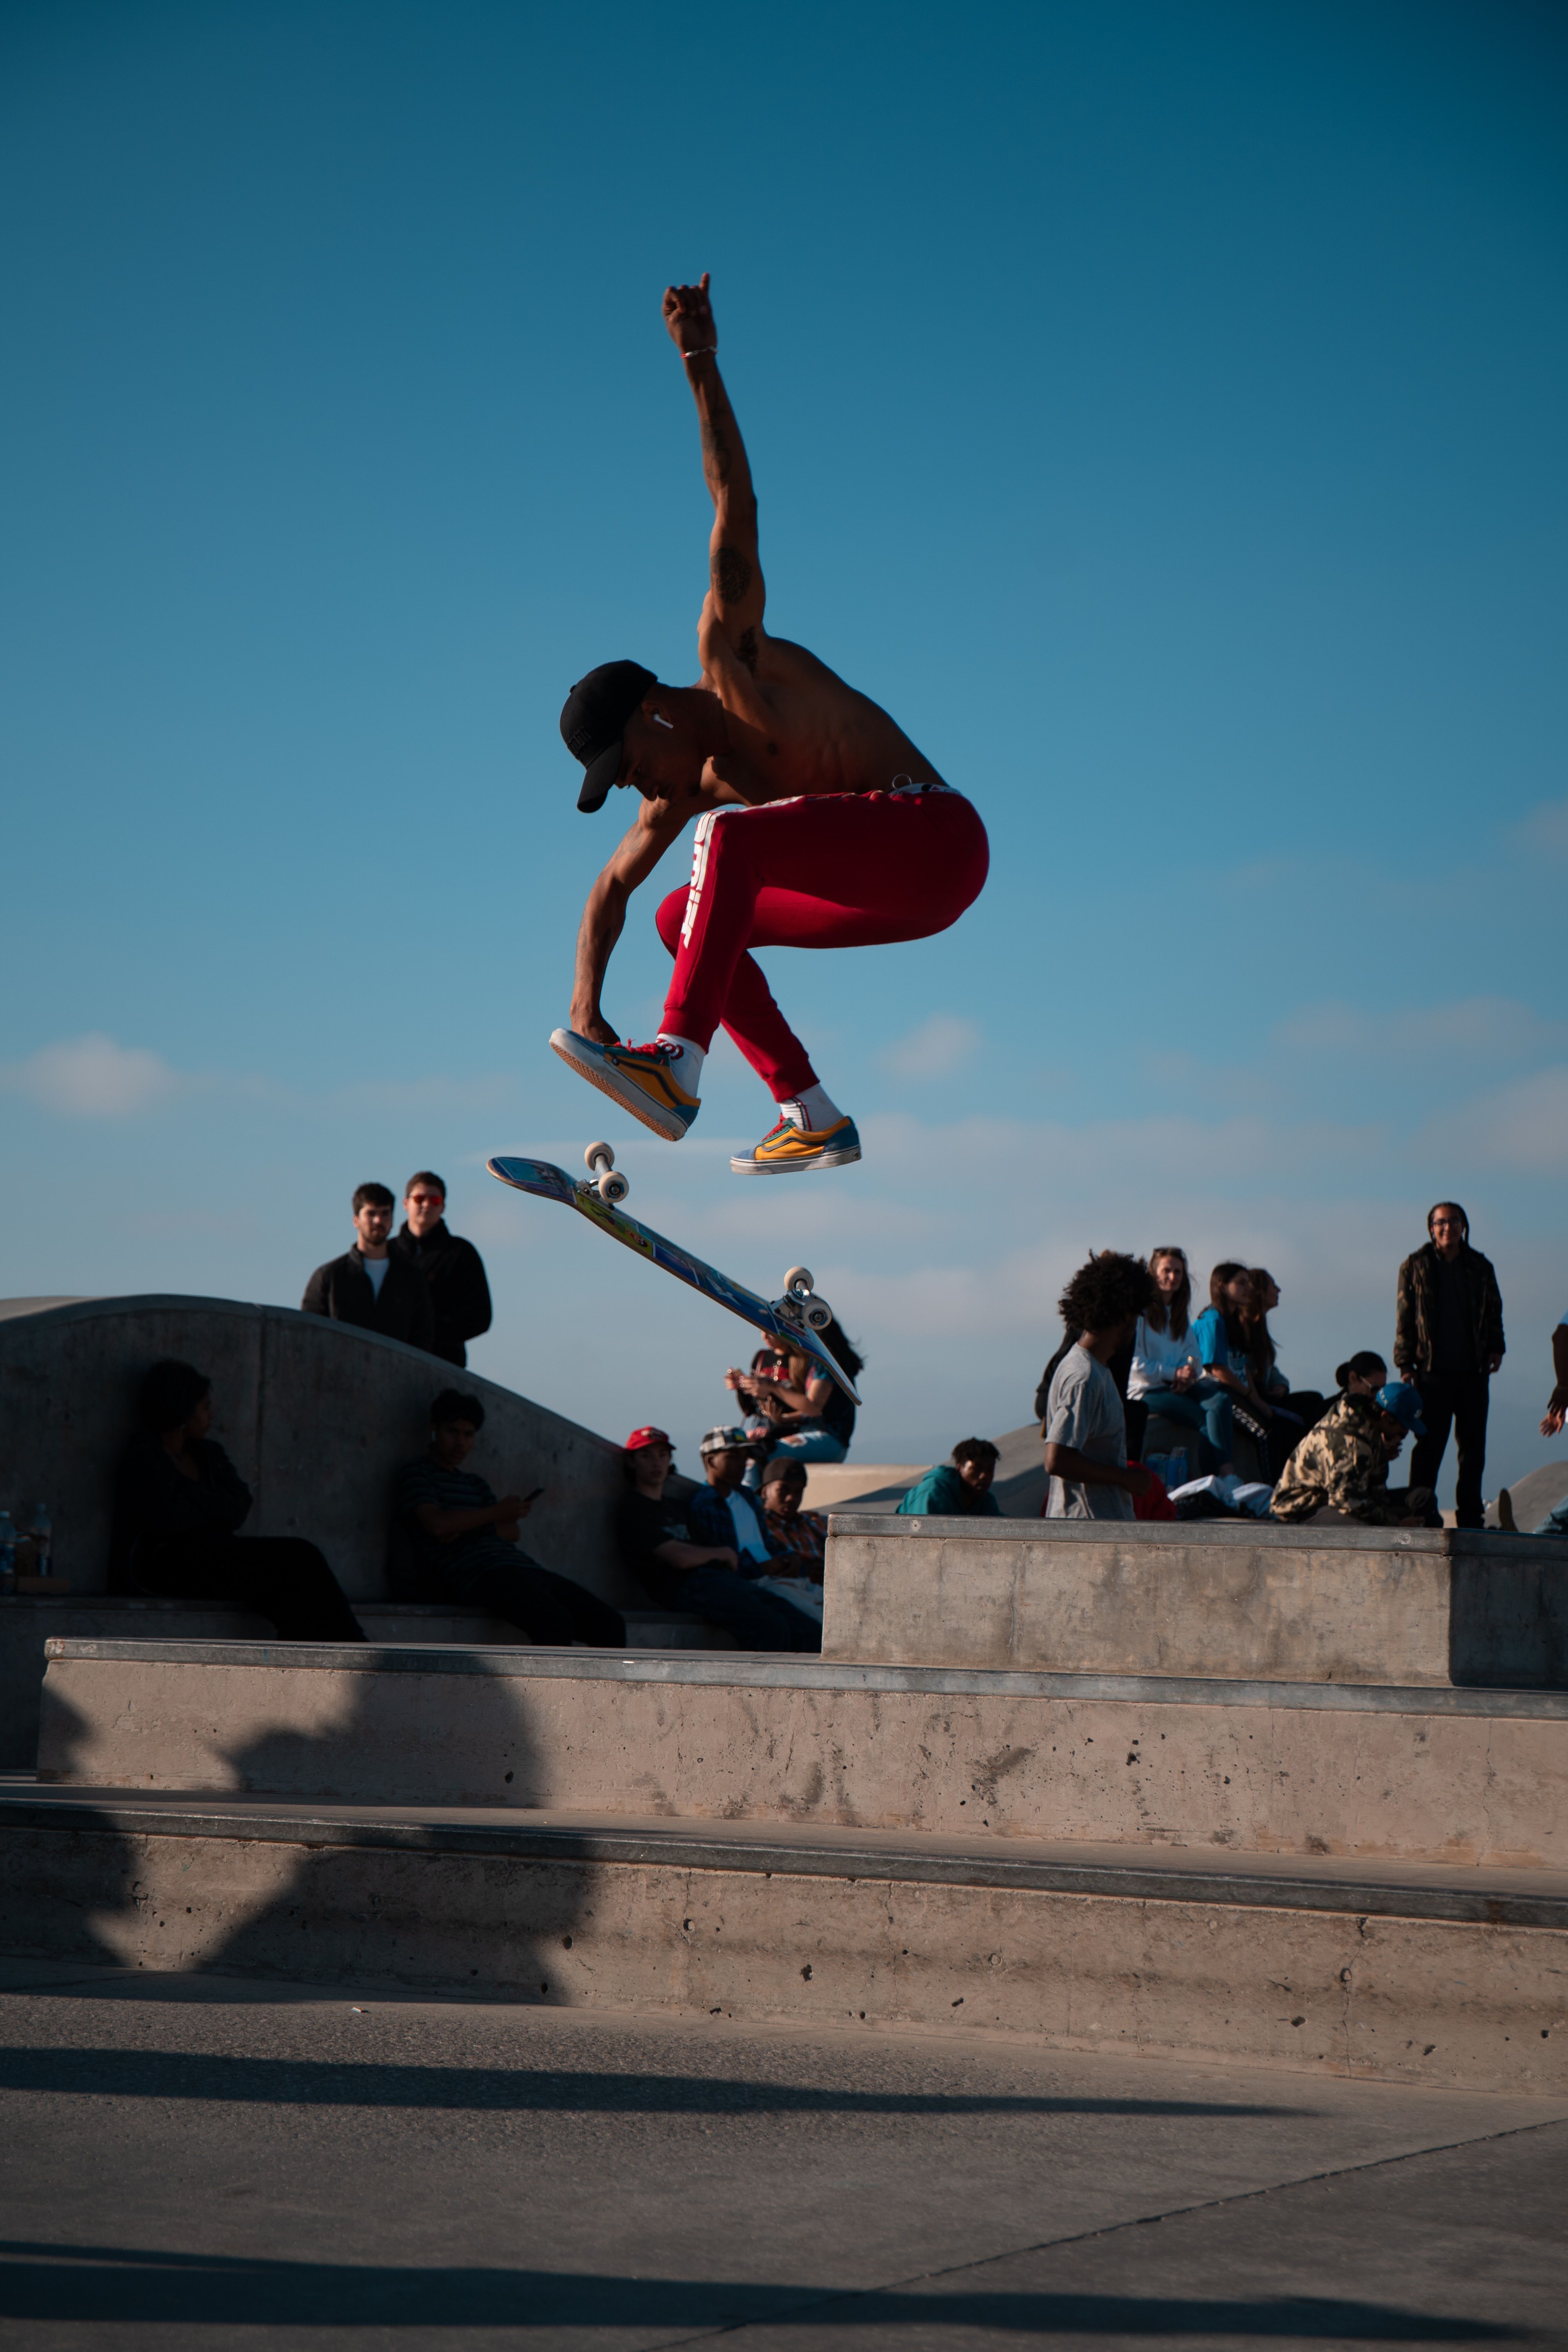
column 813, row 1108
column 689, row 1060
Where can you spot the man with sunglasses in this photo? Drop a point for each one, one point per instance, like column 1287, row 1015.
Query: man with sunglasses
column 453, row 1269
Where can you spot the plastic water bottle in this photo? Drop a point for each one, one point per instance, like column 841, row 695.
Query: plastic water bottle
column 42, row 1533
column 7, row 1554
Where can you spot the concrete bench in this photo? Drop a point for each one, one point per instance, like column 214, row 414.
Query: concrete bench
column 1390, row 1605
column 1305, row 1768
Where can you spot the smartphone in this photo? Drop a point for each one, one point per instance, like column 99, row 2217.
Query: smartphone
column 534, row 1496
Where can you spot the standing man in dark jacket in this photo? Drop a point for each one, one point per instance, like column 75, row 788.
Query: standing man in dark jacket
column 1448, row 1343
column 453, row 1268
column 372, row 1285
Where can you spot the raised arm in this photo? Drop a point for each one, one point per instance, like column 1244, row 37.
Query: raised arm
column 733, row 564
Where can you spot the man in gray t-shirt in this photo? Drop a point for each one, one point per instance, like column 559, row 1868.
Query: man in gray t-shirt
column 1085, row 1430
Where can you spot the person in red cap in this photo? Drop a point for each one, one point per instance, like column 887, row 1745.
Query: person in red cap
column 819, row 824
column 662, row 1547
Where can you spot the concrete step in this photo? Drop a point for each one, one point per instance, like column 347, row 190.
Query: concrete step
column 1437, row 1976
column 27, row 1623
column 1267, row 1768
column 1384, row 1605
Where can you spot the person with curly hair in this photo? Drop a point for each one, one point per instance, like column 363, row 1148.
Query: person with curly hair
column 1084, row 1429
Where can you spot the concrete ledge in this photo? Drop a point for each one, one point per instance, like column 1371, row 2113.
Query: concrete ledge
column 1321, row 1604
column 1304, row 1770
column 29, row 1622
column 1293, row 1970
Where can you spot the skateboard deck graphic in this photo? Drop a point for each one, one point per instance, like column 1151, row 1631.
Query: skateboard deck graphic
column 552, row 1183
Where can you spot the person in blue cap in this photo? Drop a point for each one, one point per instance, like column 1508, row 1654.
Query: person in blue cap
column 1339, row 1470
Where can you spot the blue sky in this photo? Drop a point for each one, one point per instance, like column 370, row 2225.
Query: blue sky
column 1158, row 407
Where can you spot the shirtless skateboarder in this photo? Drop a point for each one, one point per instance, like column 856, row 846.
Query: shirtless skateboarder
column 819, row 824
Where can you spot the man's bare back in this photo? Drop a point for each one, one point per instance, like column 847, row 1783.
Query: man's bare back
column 768, row 726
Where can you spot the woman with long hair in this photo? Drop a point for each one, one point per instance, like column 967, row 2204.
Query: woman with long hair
column 1167, row 1375
column 1304, row 1407
column 809, row 1415
column 1222, row 1341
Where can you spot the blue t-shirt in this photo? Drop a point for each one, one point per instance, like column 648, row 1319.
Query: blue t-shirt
column 1213, row 1344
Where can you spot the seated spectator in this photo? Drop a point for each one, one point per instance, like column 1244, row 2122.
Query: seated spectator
column 1166, row 1375
column 800, row 1535
column 669, row 1546
column 1363, row 1375
column 372, row 1285
column 452, row 1267
column 1084, row 1427
column 179, row 1502
column 1221, row 1334
column 958, row 1488
column 768, row 1368
column 1340, row 1469
column 466, row 1538
column 1301, row 1406
column 808, row 1416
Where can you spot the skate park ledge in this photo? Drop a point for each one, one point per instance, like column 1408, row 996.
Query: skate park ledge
column 1327, row 1603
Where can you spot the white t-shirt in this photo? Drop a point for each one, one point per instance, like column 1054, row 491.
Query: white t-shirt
column 376, row 1269
column 1084, row 1411
column 744, row 1519
column 1156, row 1357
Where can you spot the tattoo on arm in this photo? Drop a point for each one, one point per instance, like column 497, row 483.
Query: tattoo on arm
column 715, row 450
column 731, row 578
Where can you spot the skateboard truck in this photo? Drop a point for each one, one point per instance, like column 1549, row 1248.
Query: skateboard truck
column 601, row 1161
column 800, row 1303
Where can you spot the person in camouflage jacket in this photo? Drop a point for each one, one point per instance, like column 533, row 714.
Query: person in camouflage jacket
column 1341, row 1465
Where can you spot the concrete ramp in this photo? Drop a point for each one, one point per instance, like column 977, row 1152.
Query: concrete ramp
column 316, row 1417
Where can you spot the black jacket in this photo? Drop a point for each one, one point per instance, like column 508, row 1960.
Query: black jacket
column 1415, row 1308
column 459, row 1294
column 341, row 1290
column 155, row 1505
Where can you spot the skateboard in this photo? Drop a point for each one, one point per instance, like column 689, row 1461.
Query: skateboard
column 798, row 1316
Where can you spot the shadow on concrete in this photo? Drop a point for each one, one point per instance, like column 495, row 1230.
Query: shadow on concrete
column 302, row 1907
column 326, row 2082
column 1508, row 1619
column 130, row 2287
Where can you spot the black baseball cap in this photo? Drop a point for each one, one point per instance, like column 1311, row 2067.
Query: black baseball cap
column 594, row 719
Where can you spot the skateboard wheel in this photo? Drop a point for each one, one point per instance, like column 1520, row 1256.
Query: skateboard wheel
column 612, row 1188
column 594, row 1154
column 818, row 1314
column 798, row 1283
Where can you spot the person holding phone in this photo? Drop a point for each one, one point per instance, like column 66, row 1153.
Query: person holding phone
column 466, row 1538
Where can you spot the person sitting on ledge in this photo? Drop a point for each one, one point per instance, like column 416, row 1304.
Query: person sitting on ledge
column 807, row 1415
column 958, row 1488
column 1362, row 1375
column 801, row 1534
column 467, row 1538
column 676, row 1551
column 179, row 1502
column 1167, row 1373
column 1084, row 1427
column 1340, row 1469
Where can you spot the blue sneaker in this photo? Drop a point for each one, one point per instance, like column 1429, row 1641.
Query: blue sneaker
column 789, row 1150
column 641, row 1078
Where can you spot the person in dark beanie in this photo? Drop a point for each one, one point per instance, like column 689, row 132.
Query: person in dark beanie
column 372, row 1285
column 1448, row 1343
column 453, row 1268
column 179, row 1502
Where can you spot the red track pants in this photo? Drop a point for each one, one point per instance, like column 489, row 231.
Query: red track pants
column 839, row 870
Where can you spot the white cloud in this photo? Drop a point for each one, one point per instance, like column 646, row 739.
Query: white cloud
column 1545, row 828
column 934, row 1049
column 1494, row 1026
column 1522, row 1126
column 92, row 1078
